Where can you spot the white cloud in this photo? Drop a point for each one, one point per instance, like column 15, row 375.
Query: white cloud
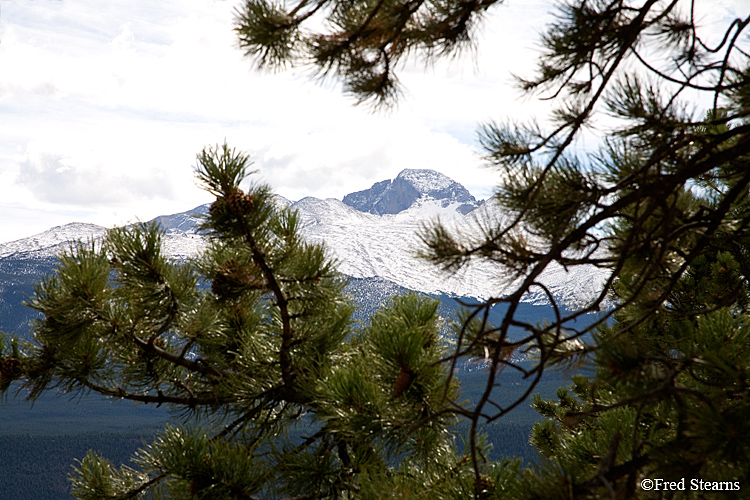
column 58, row 180
column 103, row 107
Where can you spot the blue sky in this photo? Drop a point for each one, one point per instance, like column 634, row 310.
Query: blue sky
column 104, row 105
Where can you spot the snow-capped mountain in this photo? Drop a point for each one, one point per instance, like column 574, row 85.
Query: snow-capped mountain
column 372, row 234
column 409, row 187
column 49, row 244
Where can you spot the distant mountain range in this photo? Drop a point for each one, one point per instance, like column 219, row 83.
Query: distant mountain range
column 373, row 234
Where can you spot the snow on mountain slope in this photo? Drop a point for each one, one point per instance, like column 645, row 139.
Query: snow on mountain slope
column 49, row 244
column 368, row 245
column 428, row 181
column 385, row 246
column 52, row 241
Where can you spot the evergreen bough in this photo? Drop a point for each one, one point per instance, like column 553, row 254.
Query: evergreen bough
column 280, row 393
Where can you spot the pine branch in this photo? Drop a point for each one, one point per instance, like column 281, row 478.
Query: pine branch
column 197, row 366
column 159, row 399
column 282, row 302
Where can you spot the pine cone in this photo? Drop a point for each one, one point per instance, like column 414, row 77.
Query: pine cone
column 217, row 208
column 403, row 381
column 10, row 367
column 197, row 485
column 484, row 487
column 219, row 285
column 232, row 278
column 240, row 203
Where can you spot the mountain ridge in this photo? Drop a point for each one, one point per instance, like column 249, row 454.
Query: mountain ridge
column 368, row 245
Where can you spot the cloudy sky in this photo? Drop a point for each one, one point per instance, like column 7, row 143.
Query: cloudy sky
column 104, row 106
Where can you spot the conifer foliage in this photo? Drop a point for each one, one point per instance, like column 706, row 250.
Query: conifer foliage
column 281, row 394
column 663, row 205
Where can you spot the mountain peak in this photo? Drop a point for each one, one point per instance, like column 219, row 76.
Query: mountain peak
column 392, row 197
column 425, row 180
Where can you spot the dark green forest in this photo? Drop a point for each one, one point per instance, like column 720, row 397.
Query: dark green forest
column 37, row 466
column 41, row 443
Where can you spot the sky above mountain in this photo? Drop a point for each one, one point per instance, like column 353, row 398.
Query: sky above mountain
column 104, row 105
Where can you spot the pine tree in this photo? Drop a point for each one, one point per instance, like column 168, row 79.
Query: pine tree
column 663, row 205
column 252, row 344
column 669, row 398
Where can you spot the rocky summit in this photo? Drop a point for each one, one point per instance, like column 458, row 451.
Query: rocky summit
column 410, row 186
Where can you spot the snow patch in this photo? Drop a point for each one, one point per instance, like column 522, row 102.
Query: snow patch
column 425, row 180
